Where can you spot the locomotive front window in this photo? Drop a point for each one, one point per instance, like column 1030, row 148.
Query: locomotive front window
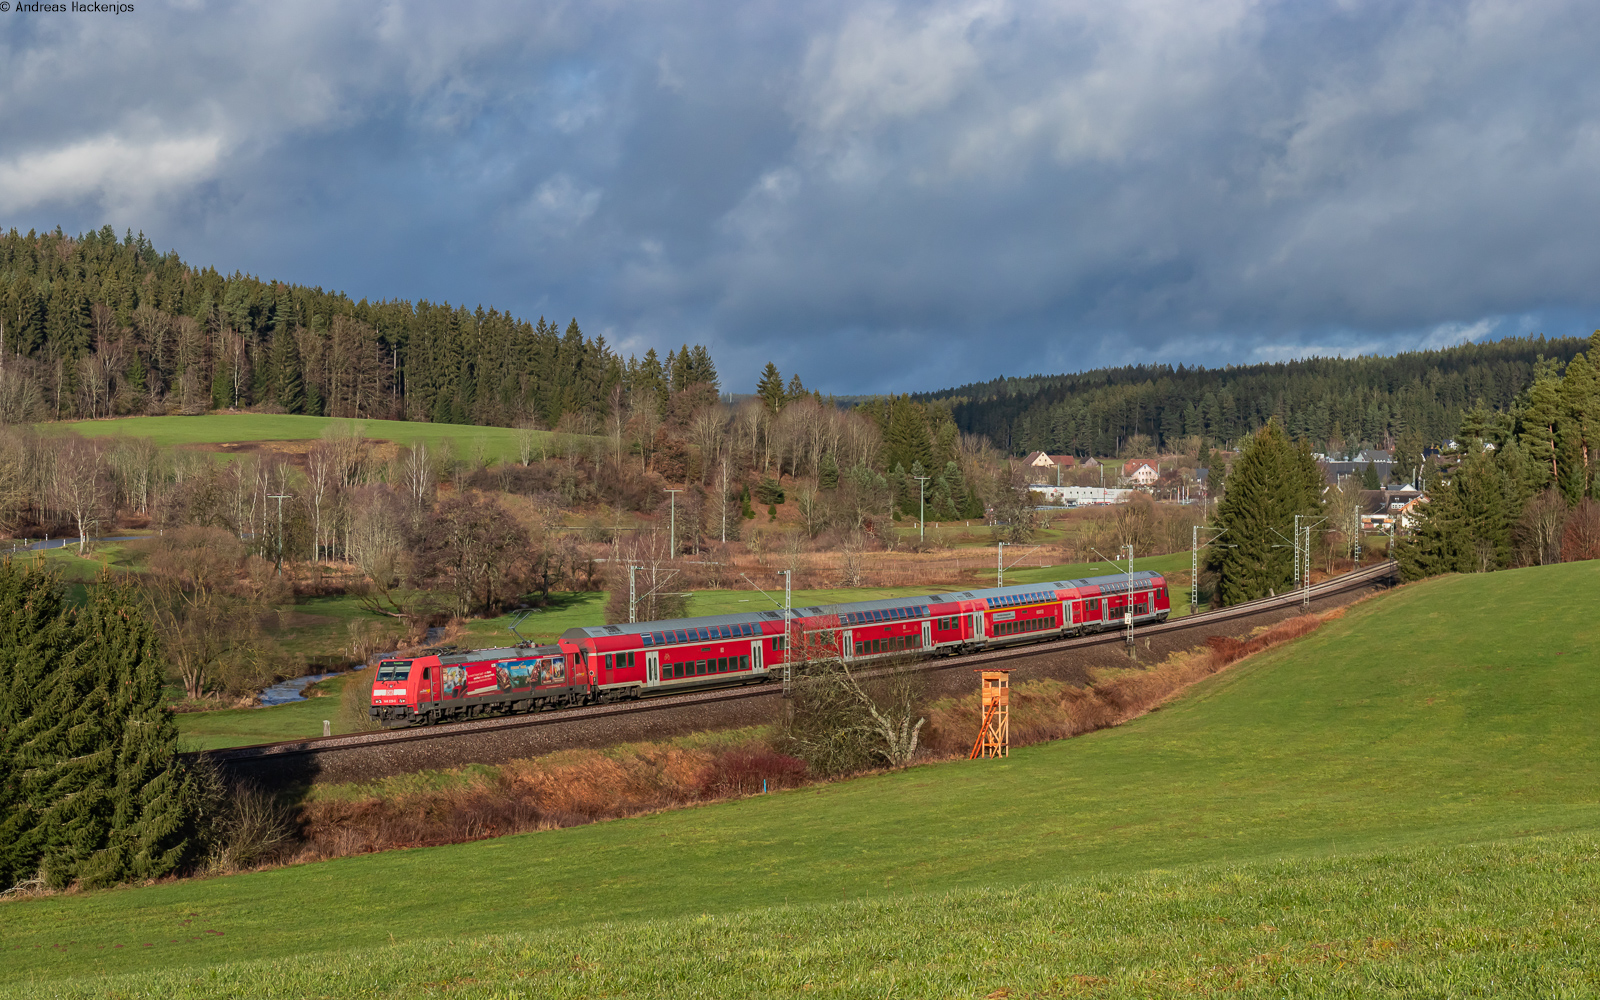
column 394, row 670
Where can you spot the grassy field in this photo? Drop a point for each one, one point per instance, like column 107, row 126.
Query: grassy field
column 500, row 443
column 236, row 727
column 1502, row 920
column 1450, row 712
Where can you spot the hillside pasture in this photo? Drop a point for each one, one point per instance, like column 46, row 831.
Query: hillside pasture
column 498, row 444
column 1451, row 712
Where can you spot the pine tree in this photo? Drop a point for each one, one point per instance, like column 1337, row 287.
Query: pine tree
column 700, row 369
column 1537, row 426
column 1272, row 481
column 906, row 440
column 828, row 472
column 1369, row 477
column 136, row 373
column 287, row 379
column 73, row 755
column 92, row 791
column 155, row 804
column 1579, row 400
column 770, row 387
column 32, row 638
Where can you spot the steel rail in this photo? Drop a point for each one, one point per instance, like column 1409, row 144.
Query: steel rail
column 664, row 702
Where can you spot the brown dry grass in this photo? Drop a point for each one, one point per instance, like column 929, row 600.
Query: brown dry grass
column 1053, row 710
column 951, row 568
column 566, row 789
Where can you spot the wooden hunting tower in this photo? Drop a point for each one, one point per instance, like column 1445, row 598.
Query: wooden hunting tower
column 995, row 738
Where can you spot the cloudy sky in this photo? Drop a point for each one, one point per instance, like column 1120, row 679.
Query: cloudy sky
column 880, row 196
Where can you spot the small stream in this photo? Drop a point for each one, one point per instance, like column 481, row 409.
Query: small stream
column 285, row 692
column 63, row 542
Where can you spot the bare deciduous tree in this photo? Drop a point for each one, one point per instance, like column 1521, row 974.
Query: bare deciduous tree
column 1538, row 533
column 78, row 485
column 842, row 718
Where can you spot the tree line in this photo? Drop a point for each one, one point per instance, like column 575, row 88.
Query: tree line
column 1521, row 486
column 1515, row 486
column 96, row 326
column 1339, row 404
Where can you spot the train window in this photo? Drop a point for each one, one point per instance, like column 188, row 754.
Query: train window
column 744, row 663
column 609, row 664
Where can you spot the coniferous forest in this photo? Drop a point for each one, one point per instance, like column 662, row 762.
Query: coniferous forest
column 96, row 326
column 1336, row 403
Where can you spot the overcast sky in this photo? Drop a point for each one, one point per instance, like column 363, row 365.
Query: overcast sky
column 879, row 196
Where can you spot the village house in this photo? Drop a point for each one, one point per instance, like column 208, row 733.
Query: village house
column 1040, row 464
column 1141, row 471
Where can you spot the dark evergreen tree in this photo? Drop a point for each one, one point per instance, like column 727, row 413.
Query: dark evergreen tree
column 288, row 384
column 770, row 387
column 92, row 790
column 154, row 802
column 1271, row 482
column 1369, row 477
column 906, row 439
column 828, row 472
column 33, row 638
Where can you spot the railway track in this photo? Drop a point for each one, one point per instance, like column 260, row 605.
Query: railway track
column 307, row 756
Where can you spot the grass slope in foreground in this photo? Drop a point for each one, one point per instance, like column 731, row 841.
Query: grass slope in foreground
column 1453, row 711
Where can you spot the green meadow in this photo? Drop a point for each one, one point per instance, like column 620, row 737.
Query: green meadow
column 1293, row 826
column 499, row 443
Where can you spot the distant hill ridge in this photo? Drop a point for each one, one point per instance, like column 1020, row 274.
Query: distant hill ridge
column 1415, row 398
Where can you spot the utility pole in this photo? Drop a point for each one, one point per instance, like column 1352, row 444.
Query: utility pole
column 1000, row 565
column 724, row 501
column 1302, row 552
column 633, row 596
column 280, row 497
column 788, row 633
column 1194, row 561
column 922, row 506
column 672, row 536
column 1129, row 614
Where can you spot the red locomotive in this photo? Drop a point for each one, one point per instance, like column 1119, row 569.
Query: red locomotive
column 616, row 662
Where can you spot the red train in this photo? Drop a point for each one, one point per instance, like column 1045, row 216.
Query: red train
column 617, row 662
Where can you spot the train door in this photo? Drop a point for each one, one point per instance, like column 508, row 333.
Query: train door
column 927, row 635
column 430, row 683
column 977, row 625
column 848, row 650
column 755, row 656
column 652, row 669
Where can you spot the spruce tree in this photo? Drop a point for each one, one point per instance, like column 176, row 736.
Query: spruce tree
column 1369, row 477
column 1272, row 481
column 33, row 637
column 770, row 387
column 288, row 381
column 828, row 472
column 92, row 791
column 72, row 754
column 154, row 801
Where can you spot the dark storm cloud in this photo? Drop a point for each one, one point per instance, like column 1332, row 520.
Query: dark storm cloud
column 878, row 196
